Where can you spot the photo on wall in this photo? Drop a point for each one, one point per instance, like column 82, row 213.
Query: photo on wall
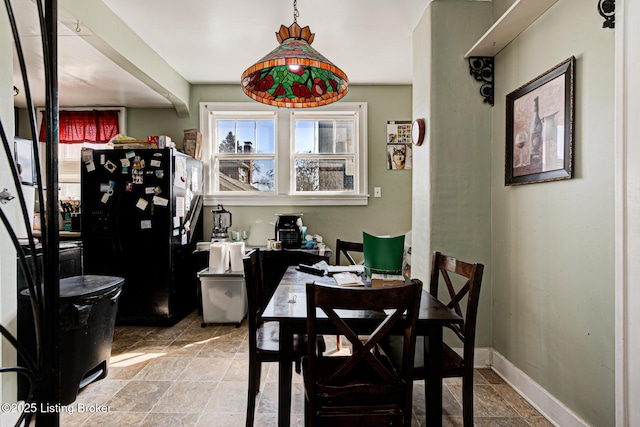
column 399, row 156
column 399, row 148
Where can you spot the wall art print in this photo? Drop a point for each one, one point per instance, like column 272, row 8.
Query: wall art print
column 539, row 127
column 399, row 148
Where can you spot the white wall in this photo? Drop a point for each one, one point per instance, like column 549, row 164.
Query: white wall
column 627, row 161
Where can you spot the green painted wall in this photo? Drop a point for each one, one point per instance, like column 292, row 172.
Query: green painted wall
column 451, row 194
column 548, row 292
column 553, row 243
column 389, row 214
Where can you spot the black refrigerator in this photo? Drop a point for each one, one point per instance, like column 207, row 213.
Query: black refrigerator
column 141, row 220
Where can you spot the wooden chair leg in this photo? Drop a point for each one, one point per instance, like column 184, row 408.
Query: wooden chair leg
column 252, row 392
column 467, row 400
column 338, row 342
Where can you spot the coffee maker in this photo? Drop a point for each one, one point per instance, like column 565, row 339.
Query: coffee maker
column 289, row 230
column 221, row 224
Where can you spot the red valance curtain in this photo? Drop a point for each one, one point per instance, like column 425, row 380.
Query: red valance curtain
column 76, row 127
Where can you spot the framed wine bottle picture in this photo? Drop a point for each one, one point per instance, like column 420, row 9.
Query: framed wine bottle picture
column 539, row 131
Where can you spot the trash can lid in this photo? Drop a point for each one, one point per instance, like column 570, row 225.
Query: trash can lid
column 87, row 285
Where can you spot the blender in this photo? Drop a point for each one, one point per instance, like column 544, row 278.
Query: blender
column 221, row 224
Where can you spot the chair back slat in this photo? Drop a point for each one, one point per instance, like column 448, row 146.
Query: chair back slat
column 255, row 291
column 345, row 248
column 444, row 266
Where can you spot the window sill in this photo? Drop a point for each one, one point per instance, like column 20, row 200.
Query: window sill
column 286, row 200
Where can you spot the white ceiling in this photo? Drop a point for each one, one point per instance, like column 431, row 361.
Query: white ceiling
column 214, row 41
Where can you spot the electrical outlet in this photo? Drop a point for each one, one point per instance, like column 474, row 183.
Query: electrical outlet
column 377, row 192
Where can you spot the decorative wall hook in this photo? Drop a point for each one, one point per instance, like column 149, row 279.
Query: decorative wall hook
column 481, row 68
column 607, row 9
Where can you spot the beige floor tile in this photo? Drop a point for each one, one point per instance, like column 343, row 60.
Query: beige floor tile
column 197, row 334
column 521, row 406
column 185, row 348
column 212, row 419
column 486, row 402
column 218, row 347
column 539, row 421
column 129, row 419
column 229, row 397
column 138, row 396
column 238, row 370
column 163, row 369
column 170, row 420
column 490, row 376
column 200, row 369
column 99, row 393
column 185, row 397
column 186, row 375
column 127, row 366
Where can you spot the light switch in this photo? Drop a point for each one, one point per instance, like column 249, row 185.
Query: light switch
column 377, row 192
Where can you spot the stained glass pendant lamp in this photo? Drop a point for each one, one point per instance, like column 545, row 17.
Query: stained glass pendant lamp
column 295, row 75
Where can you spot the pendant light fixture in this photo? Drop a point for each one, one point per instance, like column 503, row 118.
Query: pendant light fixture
column 295, row 75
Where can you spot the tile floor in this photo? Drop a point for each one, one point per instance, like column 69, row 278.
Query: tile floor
column 187, row 375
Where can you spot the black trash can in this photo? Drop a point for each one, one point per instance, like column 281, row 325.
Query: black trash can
column 88, row 306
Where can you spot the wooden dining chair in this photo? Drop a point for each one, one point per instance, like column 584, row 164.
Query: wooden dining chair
column 345, row 248
column 263, row 336
column 364, row 388
column 462, row 282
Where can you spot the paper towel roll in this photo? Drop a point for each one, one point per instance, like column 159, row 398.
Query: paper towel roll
column 218, row 258
column 236, row 253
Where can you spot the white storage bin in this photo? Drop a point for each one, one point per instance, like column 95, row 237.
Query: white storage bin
column 224, row 297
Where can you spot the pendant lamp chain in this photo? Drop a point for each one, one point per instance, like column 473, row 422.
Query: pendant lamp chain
column 295, row 11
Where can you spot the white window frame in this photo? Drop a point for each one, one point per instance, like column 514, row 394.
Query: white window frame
column 284, row 194
column 214, row 164
column 316, row 116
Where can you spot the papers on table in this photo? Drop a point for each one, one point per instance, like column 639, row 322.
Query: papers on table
column 347, row 279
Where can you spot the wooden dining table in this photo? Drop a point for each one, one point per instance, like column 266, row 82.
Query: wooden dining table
column 288, row 307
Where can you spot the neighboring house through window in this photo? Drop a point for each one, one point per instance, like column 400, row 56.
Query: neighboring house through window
column 261, row 155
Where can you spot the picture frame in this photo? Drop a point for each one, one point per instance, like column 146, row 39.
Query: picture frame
column 399, row 147
column 540, row 127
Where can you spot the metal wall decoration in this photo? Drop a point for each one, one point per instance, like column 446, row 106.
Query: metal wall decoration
column 607, row 9
column 481, row 68
column 42, row 368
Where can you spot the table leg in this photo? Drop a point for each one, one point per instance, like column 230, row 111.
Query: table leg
column 434, row 377
column 285, row 375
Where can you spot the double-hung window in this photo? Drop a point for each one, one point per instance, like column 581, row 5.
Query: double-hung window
column 262, row 155
column 244, row 152
column 324, row 158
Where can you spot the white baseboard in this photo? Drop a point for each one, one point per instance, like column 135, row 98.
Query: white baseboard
column 553, row 410
column 481, row 358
